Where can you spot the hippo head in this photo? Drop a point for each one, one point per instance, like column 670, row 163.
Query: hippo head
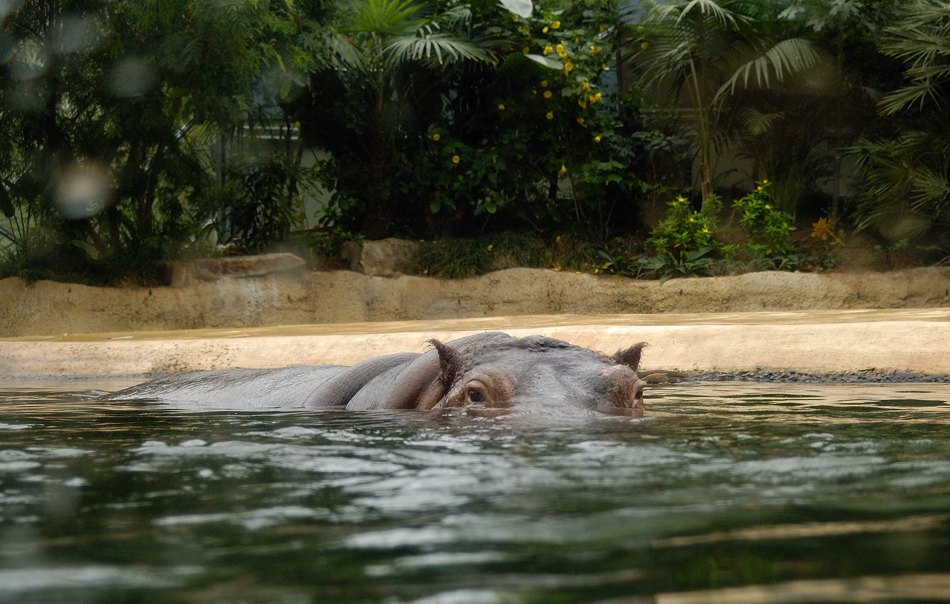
column 485, row 374
column 495, row 374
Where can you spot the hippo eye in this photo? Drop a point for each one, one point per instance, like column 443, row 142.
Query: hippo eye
column 477, row 392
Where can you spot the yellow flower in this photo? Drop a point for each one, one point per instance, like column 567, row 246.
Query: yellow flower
column 556, row 25
column 547, row 94
column 580, row 121
column 585, row 87
column 547, row 50
column 592, row 98
column 557, row 239
column 568, row 66
column 681, row 199
column 456, row 159
column 559, row 48
column 563, row 169
column 758, row 188
column 582, row 103
column 490, row 246
column 549, row 115
column 436, row 136
column 597, row 139
column 501, row 107
column 765, row 181
column 598, row 96
column 544, row 31
column 821, row 229
column 534, row 92
column 705, row 230
column 644, row 45
column 525, row 50
column 768, row 207
column 544, row 83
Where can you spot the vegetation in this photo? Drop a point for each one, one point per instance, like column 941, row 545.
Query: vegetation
column 646, row 139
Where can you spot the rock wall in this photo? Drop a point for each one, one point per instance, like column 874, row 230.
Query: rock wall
column 288, row 295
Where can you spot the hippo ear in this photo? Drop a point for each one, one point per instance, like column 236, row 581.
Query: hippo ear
column 630, row 356
column 450, row 360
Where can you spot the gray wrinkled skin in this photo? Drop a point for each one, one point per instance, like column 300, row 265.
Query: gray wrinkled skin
column 488, row 374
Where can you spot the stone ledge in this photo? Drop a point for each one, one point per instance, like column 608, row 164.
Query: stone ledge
column 184, row 274
column 384, row 258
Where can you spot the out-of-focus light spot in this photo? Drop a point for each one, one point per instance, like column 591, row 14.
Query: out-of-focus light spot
column 30, row 60
column 278, row 84
column 75, row 33
column 82, row 191
column 7, row 46
column 131, row 76
column 8, row 7
column 30, row 95
column 904, row 227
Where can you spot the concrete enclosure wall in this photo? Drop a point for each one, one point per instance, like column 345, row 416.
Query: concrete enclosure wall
column 298, row 296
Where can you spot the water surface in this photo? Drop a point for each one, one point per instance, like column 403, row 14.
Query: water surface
column 730, row 492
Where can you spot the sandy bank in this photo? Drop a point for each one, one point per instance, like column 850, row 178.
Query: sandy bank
column 808, row 342
column 264, row 298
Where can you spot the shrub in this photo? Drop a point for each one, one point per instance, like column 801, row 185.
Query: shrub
column 768, row 228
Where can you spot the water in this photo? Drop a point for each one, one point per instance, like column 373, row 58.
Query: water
column 729, row 492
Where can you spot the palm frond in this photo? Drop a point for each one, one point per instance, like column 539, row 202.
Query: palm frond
column 386, row 17
column 930, row 192
column 921, row 39
column 437, row 47
column 707, row 8
column 915, row 93
column 906, row 180
column 755, row 122
column 785, row 58
column 457, row 16
column 345, row 54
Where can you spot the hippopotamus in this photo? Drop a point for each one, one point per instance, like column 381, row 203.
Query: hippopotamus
column 485, row 374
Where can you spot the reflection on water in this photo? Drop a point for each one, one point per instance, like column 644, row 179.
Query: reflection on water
column 740, row 493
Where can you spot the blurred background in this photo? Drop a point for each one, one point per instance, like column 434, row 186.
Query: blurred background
column 631, row 137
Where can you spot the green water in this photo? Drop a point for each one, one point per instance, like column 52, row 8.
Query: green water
column 725, row 493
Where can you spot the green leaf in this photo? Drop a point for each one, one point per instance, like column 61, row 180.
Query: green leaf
column 652, row 263
column 6, row 205
column 549, row 62
column 787, row 57
column 437, row 48
column 698, row 253
column 90, row 250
